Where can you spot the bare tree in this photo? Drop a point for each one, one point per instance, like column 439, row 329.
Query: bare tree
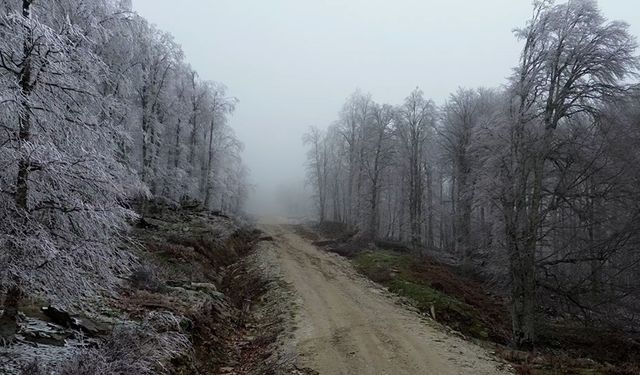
column 572, row 60
column 221, row 107
column 466, row 112
column 416, row 118
column 318, row 168
column 526, row 184
column 377, row 156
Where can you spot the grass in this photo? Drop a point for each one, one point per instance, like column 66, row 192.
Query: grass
column 465, row 304
column 461, row 304
column 398, row 272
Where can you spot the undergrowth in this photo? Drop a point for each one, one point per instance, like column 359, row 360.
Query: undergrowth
column 401, row 275
column 461, row 304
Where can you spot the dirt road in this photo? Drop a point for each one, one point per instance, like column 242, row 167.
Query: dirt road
column 349, row 325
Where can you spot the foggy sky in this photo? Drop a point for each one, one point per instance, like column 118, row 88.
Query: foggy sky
column 292, row 63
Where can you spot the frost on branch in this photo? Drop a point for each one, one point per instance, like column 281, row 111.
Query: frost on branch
column 132, row 348
column 62, row 187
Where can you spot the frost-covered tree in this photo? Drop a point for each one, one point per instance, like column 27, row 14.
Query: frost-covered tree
column 572, row 60
column 221, row 140
column 97, row 107
column 414, row 125
column 464, row 117
column 318, row 167
column 534, row 185
column 377, row 155
column 61, row 183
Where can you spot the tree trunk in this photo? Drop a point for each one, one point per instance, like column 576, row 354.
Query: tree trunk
column 208, row 188
column 593, row 235
column 521, row 246
column 373, row 215
column 193, row 139
column 454, row 214
column 154, row 162
column 176, row 146
column 415, row 197
column 429, row 175
column 146, row 136
column 522, row 238
column 463, row 226
column 375, row 192
column 441, row 229
column 523, row 294
column 24, row 120
column 9, row 317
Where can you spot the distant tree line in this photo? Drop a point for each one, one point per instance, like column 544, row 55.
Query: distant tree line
column 536, row 182
column 98, row 107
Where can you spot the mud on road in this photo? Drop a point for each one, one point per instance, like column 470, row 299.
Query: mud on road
column 346, row 324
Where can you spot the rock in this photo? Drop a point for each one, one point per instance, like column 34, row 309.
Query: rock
column 89, row 327
column 44, row 338
column 539, row 360
column 517, row 356
column 325, row 243
column 58, row 316
column 39, row 332
column 145, row 224
column 219, row 214
column 586, row 362
column 207, row 288
column 266, row 239
column 189, row 297
column 81, row 323
column 8, row 328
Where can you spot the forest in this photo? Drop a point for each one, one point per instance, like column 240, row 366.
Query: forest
column 99, row 108
column 494, row 233
column 532, row 185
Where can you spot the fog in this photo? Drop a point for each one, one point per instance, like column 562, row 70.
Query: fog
column 292, row 63
column 304, row 165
